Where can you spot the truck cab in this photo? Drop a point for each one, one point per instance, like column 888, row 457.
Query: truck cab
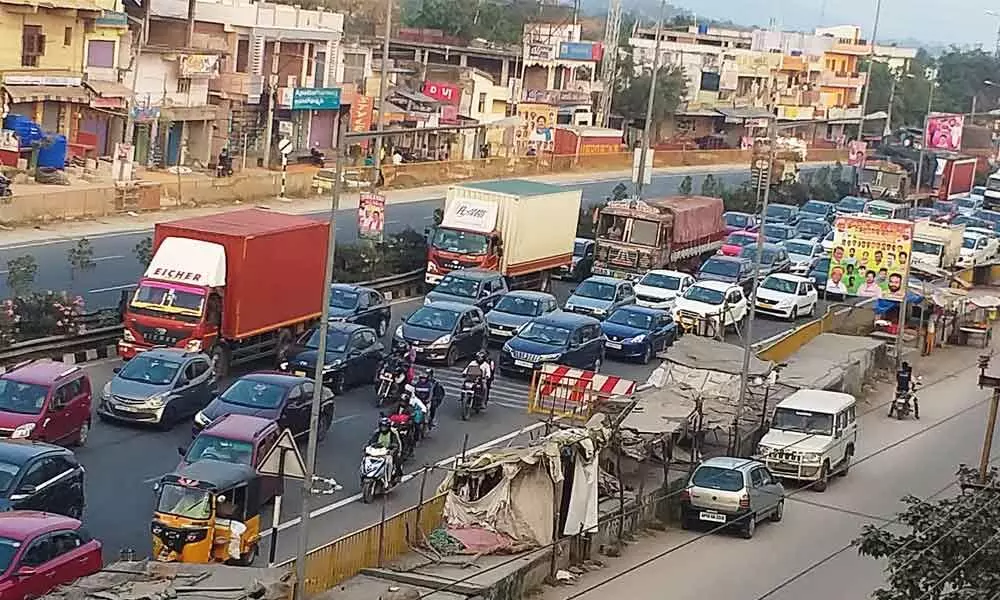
column 937, row 245
column 991, row 195
column 885, row 180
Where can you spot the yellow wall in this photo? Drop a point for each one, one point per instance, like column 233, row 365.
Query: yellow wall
column 840, row 63
column 58, row 56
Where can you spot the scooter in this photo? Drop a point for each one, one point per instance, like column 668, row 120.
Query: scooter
column 402, row 422
column 376, row 473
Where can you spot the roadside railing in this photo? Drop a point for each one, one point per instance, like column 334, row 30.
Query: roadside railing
column 102, row 328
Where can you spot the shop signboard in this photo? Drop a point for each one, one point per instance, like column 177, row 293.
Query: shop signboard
column 588, row 51
column 448, row 93
column 361, row 113
column 198, row 66
column 316, row 99
column 870, row 257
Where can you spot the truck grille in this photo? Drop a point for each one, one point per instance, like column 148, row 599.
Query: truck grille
column 623, row 256
column 160, row 335
column 525, row 356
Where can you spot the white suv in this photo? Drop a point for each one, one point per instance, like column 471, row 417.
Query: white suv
column 812, row 436
column 716, row 302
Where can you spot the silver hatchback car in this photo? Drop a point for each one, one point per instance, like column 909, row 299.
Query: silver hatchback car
column 731, row 491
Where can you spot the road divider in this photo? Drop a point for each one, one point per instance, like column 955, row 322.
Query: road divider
column 859, row 318
column 98, row 339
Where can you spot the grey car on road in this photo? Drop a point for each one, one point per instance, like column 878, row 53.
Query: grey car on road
column 731, row 492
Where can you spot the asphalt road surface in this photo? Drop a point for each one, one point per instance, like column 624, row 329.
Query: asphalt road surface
column 123, row 461
column 117, row 268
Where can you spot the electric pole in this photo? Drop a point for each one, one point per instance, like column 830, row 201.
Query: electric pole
column 609, row 62
column 651, row 97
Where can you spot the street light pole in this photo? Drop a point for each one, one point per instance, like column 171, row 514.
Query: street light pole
column 380, row 111
column 317, row 400
column 868, row 77
column 143, row 36
column 923, row 146
column 643, row 153
column 772, row 135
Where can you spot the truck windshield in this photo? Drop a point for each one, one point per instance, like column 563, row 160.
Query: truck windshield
column 22, row 398
column 169, row 298
column 460, row 242
column 220, row 448
column 802, row 421
column 993, row 184
column 922, row 247
column 644, row 233
column 190, row 503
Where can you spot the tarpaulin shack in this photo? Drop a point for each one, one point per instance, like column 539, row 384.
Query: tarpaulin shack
column 575, row 140
column 151, row 580
column 505, row 500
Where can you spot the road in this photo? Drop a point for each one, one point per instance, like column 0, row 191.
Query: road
column 122, row 461
column 816, row 526
column 116, row 267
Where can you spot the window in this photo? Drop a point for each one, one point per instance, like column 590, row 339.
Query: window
column 65, row 541
column 475, row 317
column 68, row 36
column 243, row 56
column 756, row 478
column 101, row 53
column 183, row 86
column 38, row 473
column 482, row 102
column 32, row 45
column 41, row 551
column 850, row 415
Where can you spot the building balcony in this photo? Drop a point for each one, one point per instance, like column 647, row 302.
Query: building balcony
column 233, row 84
column 851, row 47
column 842, row 80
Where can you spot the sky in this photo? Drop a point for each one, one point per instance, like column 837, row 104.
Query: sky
column 930, row 21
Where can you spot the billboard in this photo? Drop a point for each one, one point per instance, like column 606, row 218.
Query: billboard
column 538, row 121
column 944, row 132
column 856, row 153
column 449, row 93
column 588, row 51
column 870, row 257
column 371, row 216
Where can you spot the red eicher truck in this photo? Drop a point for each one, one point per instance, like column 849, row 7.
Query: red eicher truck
column 236, row 285
column 955, row 175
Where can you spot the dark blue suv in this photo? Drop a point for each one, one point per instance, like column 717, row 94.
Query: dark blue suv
column 559, row 337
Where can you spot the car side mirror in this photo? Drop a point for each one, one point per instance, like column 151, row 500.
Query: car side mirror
column 116, row 370
column 26, row 571
column 182, row 450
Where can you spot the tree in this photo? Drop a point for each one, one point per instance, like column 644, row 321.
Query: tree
column 947, row 548
column 468, row 19
column 671, row 85
column 960, row 76
column 143, row 251
column 684, row 189
column 21, row 272
column 81, row 257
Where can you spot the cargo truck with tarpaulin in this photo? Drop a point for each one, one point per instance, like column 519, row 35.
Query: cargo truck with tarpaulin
column 522, row 229
column 634, row 236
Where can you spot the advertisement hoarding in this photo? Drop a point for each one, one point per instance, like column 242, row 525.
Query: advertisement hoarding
column 944, row 132
column 315, row 99
column 589, row 51
column 870, row 257
column 371, row 216
column 856, row 153
column 448, row 93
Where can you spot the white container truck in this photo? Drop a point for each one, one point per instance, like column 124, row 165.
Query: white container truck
column 520, row 228
column 936, row 244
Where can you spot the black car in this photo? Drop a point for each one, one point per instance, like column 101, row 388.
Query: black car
column 773, row 258
column 728, row 269
column 444, row 331
column 480, row 287
column 353, row 355
column 40, row 476
column 161, row 386
column 279, row 397
column 357, row 304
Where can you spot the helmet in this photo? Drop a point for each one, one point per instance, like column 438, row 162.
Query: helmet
column 384, row 424
column 427, row 374
column 482, row 356
column 905, row 366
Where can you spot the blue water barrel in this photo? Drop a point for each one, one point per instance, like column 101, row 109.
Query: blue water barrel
column 52, row 152
column 27, row 130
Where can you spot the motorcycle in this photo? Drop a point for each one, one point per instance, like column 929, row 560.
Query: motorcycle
column 402, row 422
column 386, row 388
column 376, row 473
column 902, row 403
column 5, row 191
column 470, row 399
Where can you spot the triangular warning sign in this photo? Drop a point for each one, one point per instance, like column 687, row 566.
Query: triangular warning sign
column 283, row 459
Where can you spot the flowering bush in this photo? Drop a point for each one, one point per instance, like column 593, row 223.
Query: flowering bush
column 40, row 314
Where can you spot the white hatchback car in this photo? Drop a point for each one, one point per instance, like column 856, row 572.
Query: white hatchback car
column 714, row 302
column 659, row 288
column 787, row 296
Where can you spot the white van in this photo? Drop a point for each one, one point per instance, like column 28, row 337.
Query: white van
column 813, row 435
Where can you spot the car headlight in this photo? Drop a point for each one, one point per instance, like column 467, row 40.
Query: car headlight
column 201, row 419
column 106, row 392
column 810, row 457
column 23, row 431
column 506, row 349
column 600, row 311
column 193, row 346
column 399, row 333
column 284, row 365
column 569, row 306
column 637, row 339
column 156, row 401
column 127, row 336
column 549, row 357
column 444, row 340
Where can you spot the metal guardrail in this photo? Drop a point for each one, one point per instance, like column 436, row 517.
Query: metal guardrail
column 102, row 329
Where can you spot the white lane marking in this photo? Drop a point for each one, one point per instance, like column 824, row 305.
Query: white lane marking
column 104, row 258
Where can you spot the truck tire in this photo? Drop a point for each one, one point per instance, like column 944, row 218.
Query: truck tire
column 221, row 357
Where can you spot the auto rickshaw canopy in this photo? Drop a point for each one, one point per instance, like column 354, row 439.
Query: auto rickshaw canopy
column 211, row 475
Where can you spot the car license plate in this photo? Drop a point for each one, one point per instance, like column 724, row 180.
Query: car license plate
column 125, row 408
column 500, row 332
column 524, row 363
column 613, row 345
column 300, row 373
column 712, row 516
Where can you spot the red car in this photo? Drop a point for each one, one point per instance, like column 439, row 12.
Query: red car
column 41, row 551
column 239, row 439
column 736, row 241
column 47, row 401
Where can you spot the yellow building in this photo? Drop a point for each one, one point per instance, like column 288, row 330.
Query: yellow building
column 842, row 82
column 59, row 63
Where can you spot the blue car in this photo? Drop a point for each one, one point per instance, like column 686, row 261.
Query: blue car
column 784, row 214
column 817, row 209
column 559, row 337
column 353, row 356
column 812, row 229
column 480, row 287
column 819, row 272
column 599, row 296
column 851, row 205
column 638, row 333
column 777, row 233
column 514, row 310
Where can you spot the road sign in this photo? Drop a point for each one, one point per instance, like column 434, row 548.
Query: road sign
column 285, row 146
column 283, row 459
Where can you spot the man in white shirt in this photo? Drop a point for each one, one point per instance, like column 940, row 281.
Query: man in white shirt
column 484, row 365
column 397, row 158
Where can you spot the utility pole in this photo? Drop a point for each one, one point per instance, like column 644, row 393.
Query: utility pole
column 317, row 400
column 991, row 381
column 380, row 110
column 868, row 77
column 609, row 62
column 272, row 99
column 651, row 96
column 923, row 146
column 772, row 135
column 140, row 43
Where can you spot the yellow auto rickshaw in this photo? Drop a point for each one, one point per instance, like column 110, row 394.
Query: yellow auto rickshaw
column 207, row 511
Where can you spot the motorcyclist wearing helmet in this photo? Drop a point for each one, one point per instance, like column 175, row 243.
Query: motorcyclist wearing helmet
column 387, row 437
column 904, row 386
column 403, row 358
column 481, row 365
column 430, row 392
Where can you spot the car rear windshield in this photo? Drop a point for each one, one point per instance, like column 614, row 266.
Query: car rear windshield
column 736, row 219
column 458, row 286
column 659, row 280
column 595, row 290
column 343, row 298
column 145, row 369
column 8, row 550
column 255, row 394
column 803, row 248
column 429, row 317
column 630, row 318
column 726, row 268
column 22, row 398
column 518, row 305
column 219, row 448
column 336, row 341
column 545, row 334
column 8, row 472
column 717, row 478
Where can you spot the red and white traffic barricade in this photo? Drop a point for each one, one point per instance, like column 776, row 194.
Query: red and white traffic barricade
column 564, row 391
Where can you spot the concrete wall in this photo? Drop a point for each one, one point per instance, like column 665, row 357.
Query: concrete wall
column 245, row 13
column 157, row 83
column 58, row 55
